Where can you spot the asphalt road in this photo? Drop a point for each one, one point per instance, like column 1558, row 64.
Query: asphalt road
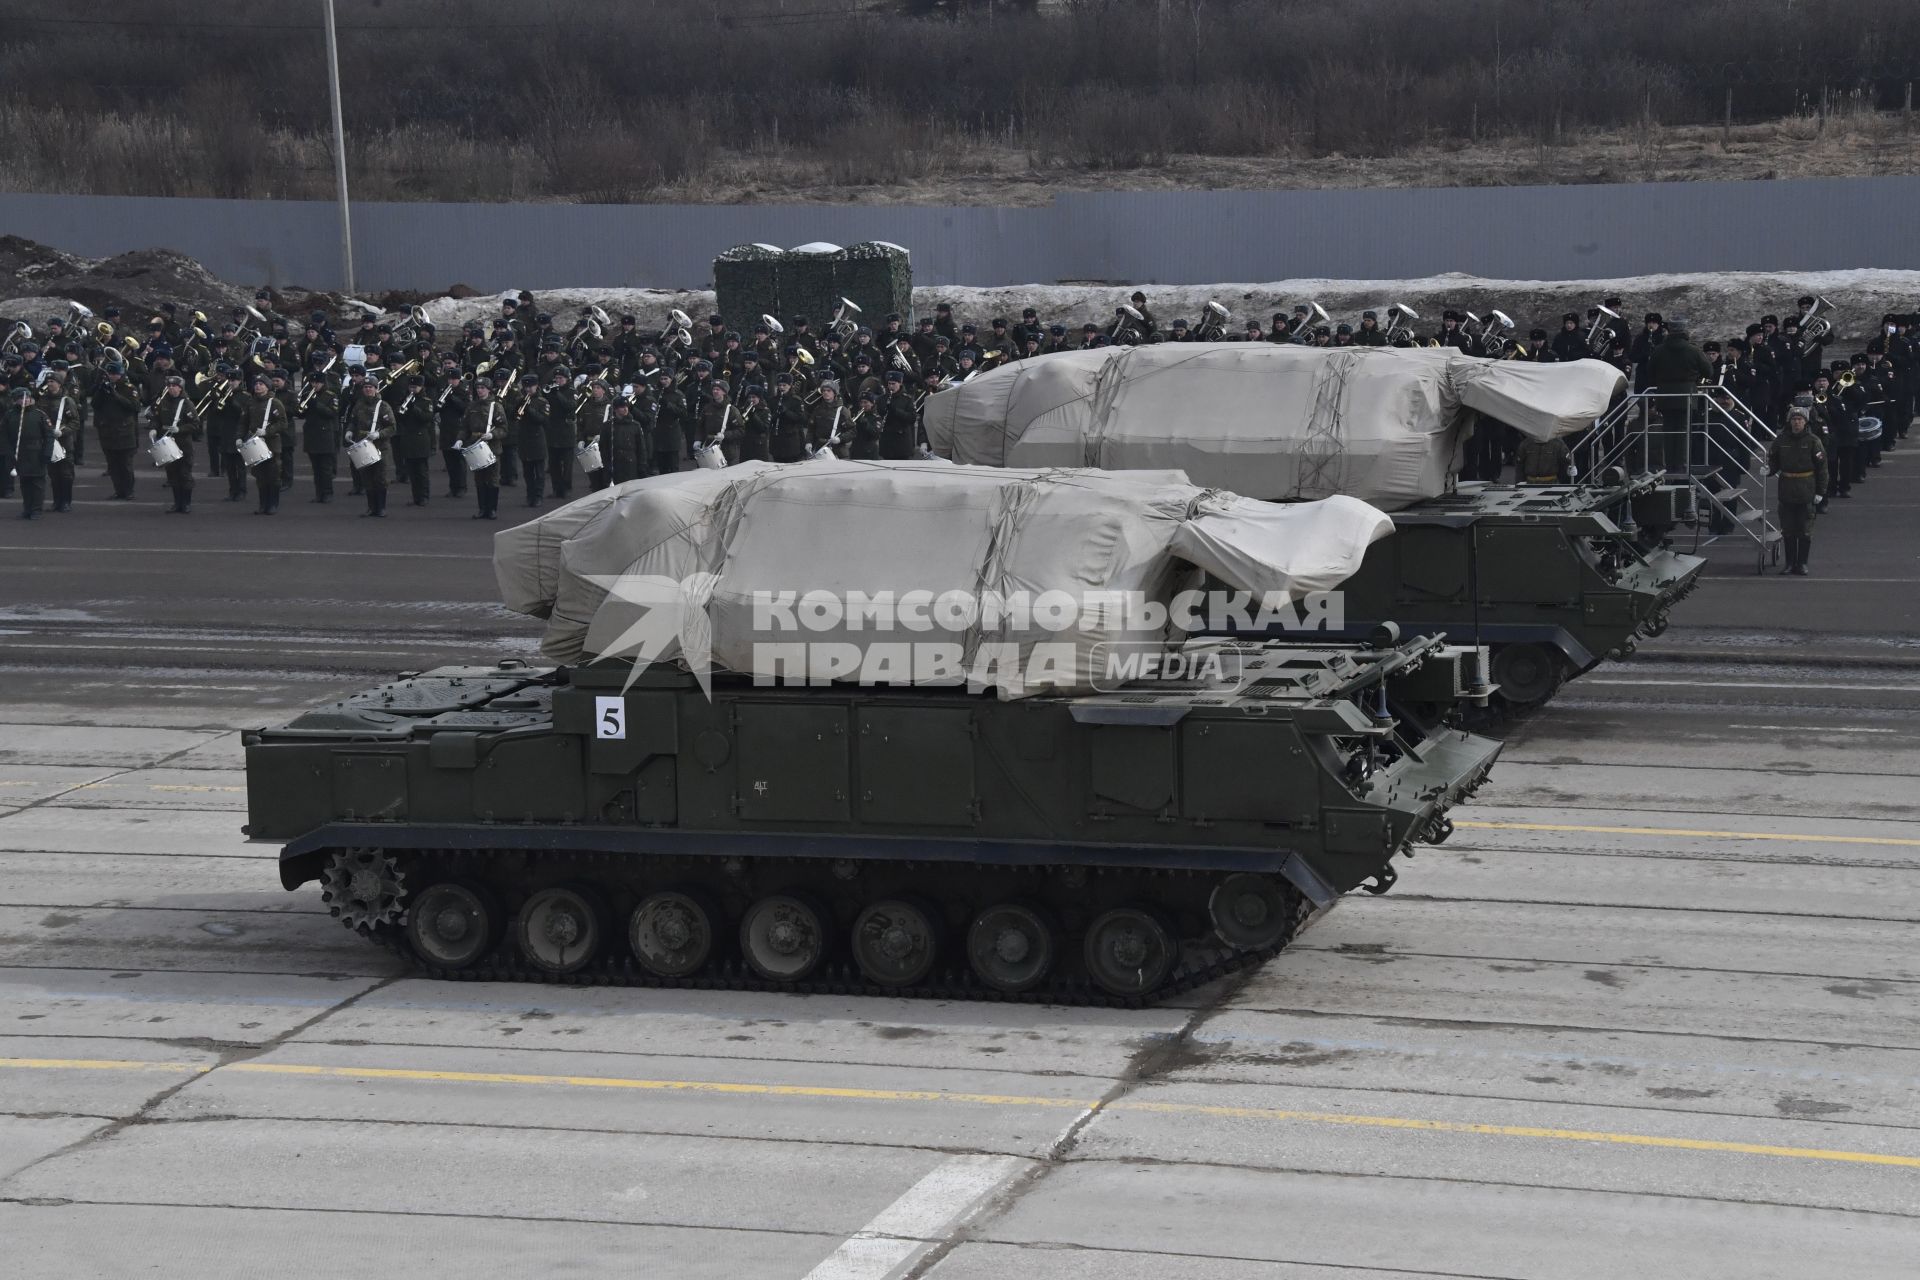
column 1652, row 1011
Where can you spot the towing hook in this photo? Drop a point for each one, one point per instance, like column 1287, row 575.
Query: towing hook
column 1439, row 830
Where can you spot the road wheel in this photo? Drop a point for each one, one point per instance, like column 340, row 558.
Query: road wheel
column 671, row 933
column 452, row 925
column 1129, row 951
column 560, row 930
column 895, row 942
column 1011, row 947
column 783, row 938
column 1528, row 674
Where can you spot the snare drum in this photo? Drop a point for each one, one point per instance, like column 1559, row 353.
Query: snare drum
column 362, row 454
column 164, row 452
column 59, row 453
column 478, row 455
column 1869, row 430
column 254, row 451
column 588, row 456
column 709, row 458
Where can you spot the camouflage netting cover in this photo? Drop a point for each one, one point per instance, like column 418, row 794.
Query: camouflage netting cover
column 755, row 280
column 746, row 283
column 708, row 546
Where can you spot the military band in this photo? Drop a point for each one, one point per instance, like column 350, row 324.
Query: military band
column 518, row 401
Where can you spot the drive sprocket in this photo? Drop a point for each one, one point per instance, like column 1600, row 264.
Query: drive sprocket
column 363, row 888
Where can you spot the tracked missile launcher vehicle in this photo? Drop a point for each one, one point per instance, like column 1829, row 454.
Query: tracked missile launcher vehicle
column 595, row 824
column 1553, row 580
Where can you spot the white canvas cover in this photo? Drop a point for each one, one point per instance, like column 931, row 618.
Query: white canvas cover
column 757, row 533
column 1383, row 424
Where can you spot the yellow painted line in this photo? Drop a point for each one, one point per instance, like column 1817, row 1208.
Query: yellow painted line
column 1903, row 841
column 1525, row 1131
column 660, row 1086
column 104, row 1064
column 1404, row 1123
column 155, row 786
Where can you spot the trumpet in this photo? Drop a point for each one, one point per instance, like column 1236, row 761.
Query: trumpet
column 1599, row 333
column 1815, row 327
column 1213, row 323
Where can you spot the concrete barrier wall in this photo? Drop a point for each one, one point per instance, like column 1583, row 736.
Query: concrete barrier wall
column 1175, row 237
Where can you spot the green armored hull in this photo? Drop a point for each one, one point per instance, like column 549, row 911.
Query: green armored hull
column 599, row 825
column 1548, row 578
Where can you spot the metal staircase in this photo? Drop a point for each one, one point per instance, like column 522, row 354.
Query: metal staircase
column 1711, row 442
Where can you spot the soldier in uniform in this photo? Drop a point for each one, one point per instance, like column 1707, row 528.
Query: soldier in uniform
column 1796, row 456
column 1543, row 462
column 116, row 411
column 752, row 429
column 29, row 440
column 900, row 426
column 63, row 419
column 413, row 440
column 790, row 428
column 669, row 422
column 593, row 421
column 280, row 381
column 267, row 420
column 828, row 420
column 226, row 412
column 716, row 420
column 1675, row 369
column 173, row 415
column 561, row 437
column 625, row 442
column 530, row 414
column 319, row 409
column 485, row 420
column 370, row 417
column 450, row 411
column 865, row 427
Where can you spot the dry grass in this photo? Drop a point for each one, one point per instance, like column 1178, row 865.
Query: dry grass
column 872, row 100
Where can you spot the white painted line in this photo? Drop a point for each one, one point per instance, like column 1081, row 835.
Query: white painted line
column 1808, row 728
column 914, row 1223
column 1749, row 684
column 329, row 552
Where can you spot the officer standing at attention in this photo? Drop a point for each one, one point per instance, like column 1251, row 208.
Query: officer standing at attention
column 1675, row 369
column 1800, row 461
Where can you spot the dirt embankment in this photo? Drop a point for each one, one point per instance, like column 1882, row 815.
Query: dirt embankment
column 37, row 282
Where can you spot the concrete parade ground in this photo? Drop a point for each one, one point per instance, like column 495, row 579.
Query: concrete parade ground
column 1653, row 1011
